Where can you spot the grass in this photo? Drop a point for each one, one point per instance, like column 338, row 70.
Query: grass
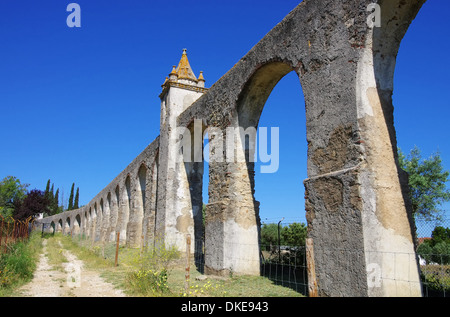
column 152, row 273
column 139, row 274
column 18, row 264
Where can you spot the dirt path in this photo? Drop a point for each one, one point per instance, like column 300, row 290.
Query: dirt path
column 76, row 281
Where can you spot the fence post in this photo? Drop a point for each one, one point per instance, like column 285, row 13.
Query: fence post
column 311, row 268
column 188, row 263
column 117, row 248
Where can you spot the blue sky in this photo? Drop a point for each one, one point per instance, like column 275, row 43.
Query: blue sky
column 79, row 104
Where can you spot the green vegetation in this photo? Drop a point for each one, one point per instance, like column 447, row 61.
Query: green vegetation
column 18, row 264
column 437, row 249
column 160, row 271
column 292, row 235
column 427, row 183
column 12, row 191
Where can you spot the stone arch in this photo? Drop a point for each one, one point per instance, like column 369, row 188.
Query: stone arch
column 85, row 227
column 149, row 225
column 94, row 226
column 67, row 226
column 344, row 67
column 77, row 225
column 125, row 207
column 134, row 226
column 115, row 203
column 52, row 228
column 237, row 230
column 257, row 90
column 90, row 223
column 107, row 236
column 59, row 226
column 191, row 219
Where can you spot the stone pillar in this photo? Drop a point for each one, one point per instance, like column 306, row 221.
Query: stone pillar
column 134, row 225
column 232, row 214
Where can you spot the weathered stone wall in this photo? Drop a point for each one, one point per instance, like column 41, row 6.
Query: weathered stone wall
column 357, row 213
column 127, row 205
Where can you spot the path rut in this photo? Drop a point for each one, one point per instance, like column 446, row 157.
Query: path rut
column 75, row 281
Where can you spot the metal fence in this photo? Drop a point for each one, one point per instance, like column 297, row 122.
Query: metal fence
column 433, row 250
column 13, row 230
column 287, row 265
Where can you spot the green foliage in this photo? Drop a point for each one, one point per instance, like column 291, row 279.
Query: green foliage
column 11, row 192
column 70, row 207
column 269, row 234
column 427, row 183
column 440, row 234
column 437, row 249
column 19, row 262
column 77, row 198
column 436, row 278
column 153, row 269
column 292, row 235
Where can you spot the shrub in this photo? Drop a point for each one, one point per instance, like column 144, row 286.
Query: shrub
column 152, row 268
column 19, row 262
column 441, row 253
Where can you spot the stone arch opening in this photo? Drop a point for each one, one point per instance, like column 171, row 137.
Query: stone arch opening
column 85, row 223
column 101, row 220
column 107, row 220
column 149, row 221
column 280, row 169
column 125, row 207
column 95, row 223
column 115, row 211
column 52, row 228
column 67, row 226
column 59, row 227
column 191, row 175
column 233, row 227
column 90, row 223
column 77, row 225
column 137, row 204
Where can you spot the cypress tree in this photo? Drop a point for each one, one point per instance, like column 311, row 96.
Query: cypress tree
column 51, row 195
column 77, row 197
column 47, row 189
column 55, row 205
column 71, row 198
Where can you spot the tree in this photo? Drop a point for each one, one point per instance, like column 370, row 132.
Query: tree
column 294, row 234
column 47, row 189
column 77, row 198
column 437, row 249
column 269, row 235
column 70, row 207
column 427, row 183
column 55, row 206
column 11, row 193
column 32, row 205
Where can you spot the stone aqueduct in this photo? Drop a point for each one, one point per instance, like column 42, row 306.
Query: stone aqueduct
column 356, row 207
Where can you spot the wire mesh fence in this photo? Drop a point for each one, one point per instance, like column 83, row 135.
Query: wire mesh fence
column 433, row 250
column 286, row 265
